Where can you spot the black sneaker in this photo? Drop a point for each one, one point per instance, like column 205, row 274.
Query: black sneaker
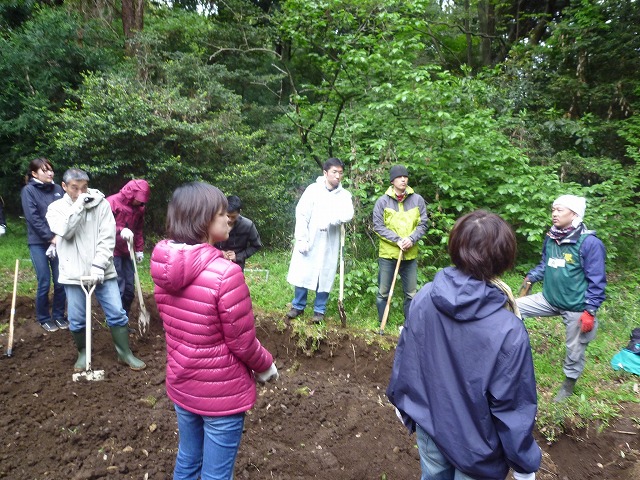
column 62, row 323
column 318, row 317
column 294, row 312
column 50, row 326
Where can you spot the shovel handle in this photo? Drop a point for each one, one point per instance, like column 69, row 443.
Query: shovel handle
column 385, row 315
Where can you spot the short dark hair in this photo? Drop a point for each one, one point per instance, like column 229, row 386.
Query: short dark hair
column 332, row 162
column 192, row 208
column 482, row 245
column 235, row 204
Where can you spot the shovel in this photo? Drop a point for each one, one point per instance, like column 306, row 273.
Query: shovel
column 343, row 315
column 144, row 318
column 88, row 286
column 13, row 311
column 385, row 315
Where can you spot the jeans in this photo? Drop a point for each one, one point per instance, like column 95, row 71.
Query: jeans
column 126, row 276
column 300, row 300
column 433, row 464
column 408, row 274
column 207, row 446
column 575, row 341
column 107, row 294
column 47, row 269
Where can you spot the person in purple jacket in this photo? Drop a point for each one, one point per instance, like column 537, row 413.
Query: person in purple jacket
column 463, row 376
column 213, row 355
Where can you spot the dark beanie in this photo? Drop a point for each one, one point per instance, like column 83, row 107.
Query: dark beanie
column 397, row 171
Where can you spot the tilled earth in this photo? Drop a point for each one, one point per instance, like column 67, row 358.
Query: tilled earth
column 327, row 417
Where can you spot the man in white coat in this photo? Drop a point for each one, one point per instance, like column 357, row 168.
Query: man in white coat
column 324, row 205
column 86, row 231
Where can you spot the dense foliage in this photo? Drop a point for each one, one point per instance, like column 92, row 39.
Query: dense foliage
column 490, row 103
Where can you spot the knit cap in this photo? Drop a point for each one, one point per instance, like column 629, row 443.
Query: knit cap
column 398, row 171
column 573, row 203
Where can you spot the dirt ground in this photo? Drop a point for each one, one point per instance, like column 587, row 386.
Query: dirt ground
column 327, row 417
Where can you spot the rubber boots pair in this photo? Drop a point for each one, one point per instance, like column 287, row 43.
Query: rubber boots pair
column 80, row 340
column 566, row 390
column 120, row 337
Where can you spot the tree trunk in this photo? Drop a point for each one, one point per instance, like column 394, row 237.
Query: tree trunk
column 132, row 18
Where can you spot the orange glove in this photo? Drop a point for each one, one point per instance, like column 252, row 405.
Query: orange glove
column 586, row 322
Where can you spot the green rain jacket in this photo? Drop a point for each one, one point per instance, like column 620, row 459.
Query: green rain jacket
column 393, row 221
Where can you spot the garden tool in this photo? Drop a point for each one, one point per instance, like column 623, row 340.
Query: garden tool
column 385, row 315
column 343, row 315
column 144, row 318
column 13, row 311
column 525, row 288
column 88, row 286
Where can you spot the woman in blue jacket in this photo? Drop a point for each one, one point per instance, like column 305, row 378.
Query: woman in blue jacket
column 39, row 192
column 463, row 375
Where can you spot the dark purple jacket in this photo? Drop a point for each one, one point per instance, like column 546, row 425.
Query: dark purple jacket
column 463, row 371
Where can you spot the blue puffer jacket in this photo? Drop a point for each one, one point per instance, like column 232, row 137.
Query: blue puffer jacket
column 36, row 198
column 463, row 371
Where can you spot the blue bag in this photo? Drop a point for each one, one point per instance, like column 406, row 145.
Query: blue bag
column 628, row 359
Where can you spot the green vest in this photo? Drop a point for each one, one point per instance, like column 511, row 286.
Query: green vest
column 403, row 222
column 565, row 283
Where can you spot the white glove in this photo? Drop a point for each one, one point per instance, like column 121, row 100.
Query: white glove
column 271, row 374
column 139, row 257
column 127, row 235
column 3, row 230
column 51, row 251
column 98, row 274
column 302, row 246
column 524, row 476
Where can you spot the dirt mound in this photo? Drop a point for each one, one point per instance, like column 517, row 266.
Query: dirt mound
column 327, row 416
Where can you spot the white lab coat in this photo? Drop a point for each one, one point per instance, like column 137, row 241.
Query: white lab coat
column 319, row 214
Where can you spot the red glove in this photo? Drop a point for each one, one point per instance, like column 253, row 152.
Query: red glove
column 586, row 322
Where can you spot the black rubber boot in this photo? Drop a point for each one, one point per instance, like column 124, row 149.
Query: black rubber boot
column 80, row 340
column 566, row 390
column 120, row 337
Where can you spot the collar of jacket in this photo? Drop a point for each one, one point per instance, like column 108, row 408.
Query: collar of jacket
column 392, row 193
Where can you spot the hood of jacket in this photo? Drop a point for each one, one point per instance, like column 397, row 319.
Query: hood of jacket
column 137, row 189
column 175, row 266
column 45, row 187
column 465, row 298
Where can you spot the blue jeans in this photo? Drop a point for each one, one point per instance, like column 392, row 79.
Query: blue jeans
column 47, row 269
column 107, row 294
column 208, row 446
column 433, row 464
column 126, row 275
column 300, row 300
column 408, row 274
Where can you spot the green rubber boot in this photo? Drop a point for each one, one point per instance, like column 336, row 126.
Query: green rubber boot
column 80, row 340
column 120, row 337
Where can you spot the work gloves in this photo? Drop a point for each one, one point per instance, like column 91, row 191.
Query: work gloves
column 51, row 251
column 524, row 476
column 269, row 375
column 81, row 201
column 3, row 229
column 586, row 322
column 139, row 257
column 126, row 235
column 98, row 274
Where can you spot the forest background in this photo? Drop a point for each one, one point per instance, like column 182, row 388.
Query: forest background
column 494, row 104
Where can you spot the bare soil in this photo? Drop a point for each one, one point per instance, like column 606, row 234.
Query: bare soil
column 327, row 417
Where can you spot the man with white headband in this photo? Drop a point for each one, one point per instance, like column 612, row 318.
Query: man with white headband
column 573, row 271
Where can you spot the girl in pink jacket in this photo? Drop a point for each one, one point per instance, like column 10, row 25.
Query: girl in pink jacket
column 213, row 355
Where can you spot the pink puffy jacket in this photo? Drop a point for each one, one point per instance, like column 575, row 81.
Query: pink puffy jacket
column 208, row 319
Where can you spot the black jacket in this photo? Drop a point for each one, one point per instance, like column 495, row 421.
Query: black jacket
column 36, row 198
column 244, row 239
